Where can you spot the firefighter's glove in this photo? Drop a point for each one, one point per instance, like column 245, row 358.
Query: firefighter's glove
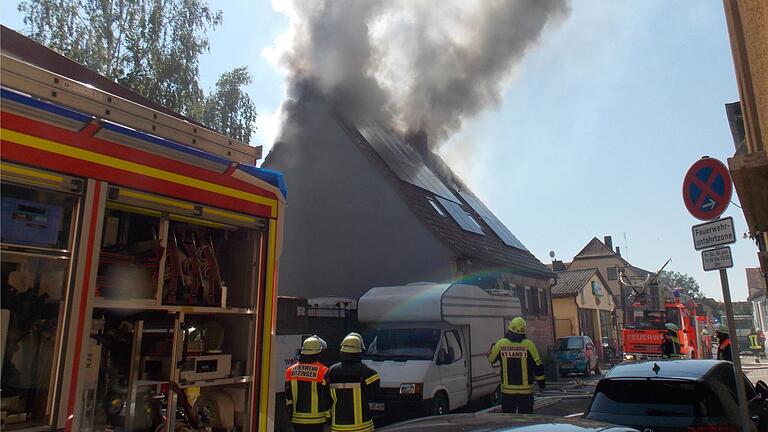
column 542, row 384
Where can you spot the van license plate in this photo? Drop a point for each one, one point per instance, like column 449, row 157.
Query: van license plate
column 376, row 406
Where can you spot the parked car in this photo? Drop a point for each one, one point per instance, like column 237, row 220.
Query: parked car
column 497, row 422
column 676, row 395
column 577, row 354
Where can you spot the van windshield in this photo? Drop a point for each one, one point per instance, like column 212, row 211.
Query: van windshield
column 403, row 344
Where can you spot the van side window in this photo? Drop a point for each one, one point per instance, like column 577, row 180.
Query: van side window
column 453, row 345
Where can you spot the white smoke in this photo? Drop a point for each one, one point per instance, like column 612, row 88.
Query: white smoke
column 417, row 64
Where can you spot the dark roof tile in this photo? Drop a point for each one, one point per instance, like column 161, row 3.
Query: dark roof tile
column 571, row 282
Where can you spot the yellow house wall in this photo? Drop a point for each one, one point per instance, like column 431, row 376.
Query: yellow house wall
column 565, row 309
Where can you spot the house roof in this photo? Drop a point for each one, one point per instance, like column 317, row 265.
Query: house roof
column 571, row 282
column 402, row 162
column 597, row 249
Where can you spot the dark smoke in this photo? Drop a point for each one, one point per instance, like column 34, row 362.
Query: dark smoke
column 417, row 65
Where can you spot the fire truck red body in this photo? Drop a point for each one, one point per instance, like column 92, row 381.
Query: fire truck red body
column 642, row 340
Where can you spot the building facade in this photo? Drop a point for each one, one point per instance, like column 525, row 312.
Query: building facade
column 584, row 305
column 369, row 209
column 748, row 31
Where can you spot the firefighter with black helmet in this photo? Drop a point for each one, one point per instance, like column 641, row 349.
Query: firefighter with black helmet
column 670, row 344
column 306, row 388
column 520, row 367
column 352, row 385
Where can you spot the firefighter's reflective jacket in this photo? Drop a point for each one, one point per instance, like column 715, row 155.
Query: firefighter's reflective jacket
column 670, row 346
column 520, row 364
column 352, row 385
column 307, row 392
column 754, row 341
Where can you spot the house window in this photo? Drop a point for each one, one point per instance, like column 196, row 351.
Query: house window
column 436, row 207
column 536, row 301
column 613, row 273
column 542, row 301
column 527, row 302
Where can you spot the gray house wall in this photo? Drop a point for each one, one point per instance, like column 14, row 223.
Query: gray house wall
column 347, row 229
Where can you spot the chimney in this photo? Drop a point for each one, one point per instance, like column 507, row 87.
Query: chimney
column 608, row 242
column 558, row 265
column 618, row 251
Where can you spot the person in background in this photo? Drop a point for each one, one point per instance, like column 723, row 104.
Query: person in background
column 352, row 385
column 754, row 344
column 670, row 344
column 761, row 339
column 306, row 388
column 723, row 344
column 520, row 367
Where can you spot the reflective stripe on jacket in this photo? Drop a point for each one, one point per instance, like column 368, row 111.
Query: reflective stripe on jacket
column 670, row 346
column 754, row 341
column 352, row 384
column 306, row 390
column 520, row 365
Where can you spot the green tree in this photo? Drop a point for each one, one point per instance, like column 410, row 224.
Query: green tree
column 688, row 284
column 150, row 46
column 229, row 109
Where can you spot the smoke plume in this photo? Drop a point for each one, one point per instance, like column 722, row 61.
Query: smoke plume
column 415, row 64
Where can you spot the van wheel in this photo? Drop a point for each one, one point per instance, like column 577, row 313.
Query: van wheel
column 440, row 404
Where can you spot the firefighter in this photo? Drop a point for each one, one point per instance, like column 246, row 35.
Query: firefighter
column 306, row 388
column 723, row 344
column 352, row 385
column 520, row 367
column 670, row 344
column 754, row 344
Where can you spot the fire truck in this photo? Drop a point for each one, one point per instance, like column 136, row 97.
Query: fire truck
column 642, row 339
column 652, row 310
column 139, row 259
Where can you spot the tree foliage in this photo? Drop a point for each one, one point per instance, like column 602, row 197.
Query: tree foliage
column 229, row 109
column 688, row 284
column 150, row 46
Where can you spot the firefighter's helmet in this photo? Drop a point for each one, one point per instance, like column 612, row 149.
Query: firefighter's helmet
column 313, row 345
column 671, row 327
column 517, row 325
column 721, row 328
column 352, row 344
column 357, row 335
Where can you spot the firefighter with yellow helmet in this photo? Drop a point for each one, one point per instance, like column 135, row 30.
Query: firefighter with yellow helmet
column 352, row 384
column 520, row 367
column 306, row 388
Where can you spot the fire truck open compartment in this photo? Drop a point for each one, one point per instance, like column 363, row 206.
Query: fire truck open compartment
column 37, row 241
column 138, row 264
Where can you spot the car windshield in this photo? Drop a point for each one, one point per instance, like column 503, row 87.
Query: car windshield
column 654, row 398
column 571, row 343
column 403, row 344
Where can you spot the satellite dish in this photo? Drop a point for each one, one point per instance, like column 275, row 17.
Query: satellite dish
column 551, row 254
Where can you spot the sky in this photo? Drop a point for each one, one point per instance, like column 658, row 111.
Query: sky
column 594, row 134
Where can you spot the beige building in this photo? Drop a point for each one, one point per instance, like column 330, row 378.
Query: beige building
column 748, row 32
column 583, row 305
column 601, row 256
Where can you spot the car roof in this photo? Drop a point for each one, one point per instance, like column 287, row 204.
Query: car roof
column 498, row 422
column 672, row 369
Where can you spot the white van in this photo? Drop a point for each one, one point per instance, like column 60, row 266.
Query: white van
column 430, row 342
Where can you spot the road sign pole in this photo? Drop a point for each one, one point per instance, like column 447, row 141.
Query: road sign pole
column 743, row 408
